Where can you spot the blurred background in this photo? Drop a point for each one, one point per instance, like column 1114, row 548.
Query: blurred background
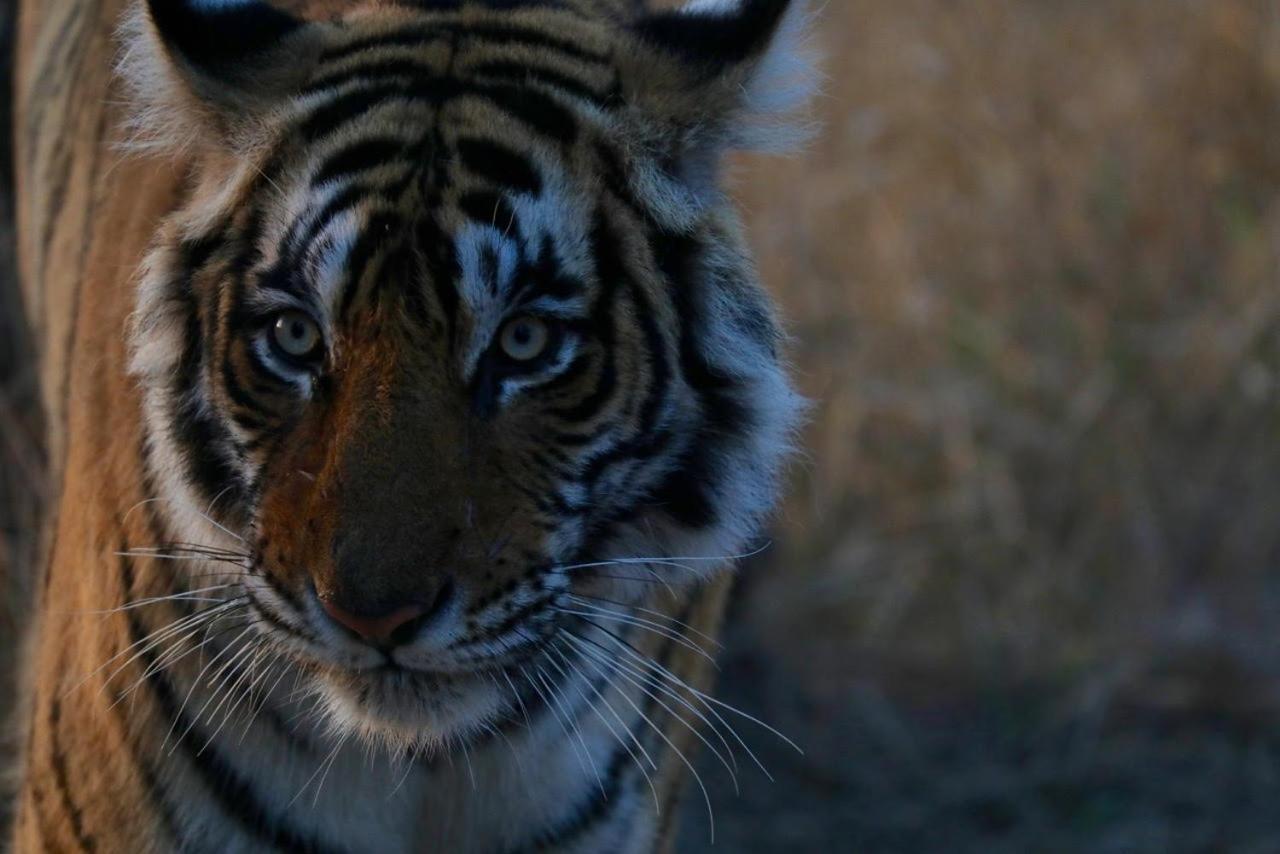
column 1024, row 595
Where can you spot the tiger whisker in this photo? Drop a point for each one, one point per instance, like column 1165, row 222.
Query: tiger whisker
column 205, row 516
column 184, row 596
column 556, row 714
column 709, row 702
column 198, row 548
column 466, row 755
column 524, row 710
column 657, row 804
column 327, row 766
column 183, row 557
column 580, row 597
column 223, row 683
column 320, row 768
column 266, row 695
column 410, row 763
column 234, row 689
column 152, row 638
column 649, row 664
column 195, row 683
column 727, row 759
column 706, row 796
column 571, row 731
column 169, row 660
column 577, row 728
column 639, row 623
column 671, row 560
column 171, row 655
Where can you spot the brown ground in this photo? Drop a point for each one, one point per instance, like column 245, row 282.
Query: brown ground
column 1022, row 596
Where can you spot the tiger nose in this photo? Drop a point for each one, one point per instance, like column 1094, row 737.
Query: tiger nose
column 389, row 629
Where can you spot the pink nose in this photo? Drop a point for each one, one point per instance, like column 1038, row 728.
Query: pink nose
column 380, row 630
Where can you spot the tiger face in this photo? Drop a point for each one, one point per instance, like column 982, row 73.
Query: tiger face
column 454, row 317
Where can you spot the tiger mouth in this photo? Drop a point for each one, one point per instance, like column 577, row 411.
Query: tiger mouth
column 420, row 708
column 388, row 700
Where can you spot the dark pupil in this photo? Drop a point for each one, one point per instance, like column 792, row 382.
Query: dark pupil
column 522, row 333
column 298, row 330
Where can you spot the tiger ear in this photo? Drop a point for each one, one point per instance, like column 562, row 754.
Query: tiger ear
column 725, row 74
column 205, row 70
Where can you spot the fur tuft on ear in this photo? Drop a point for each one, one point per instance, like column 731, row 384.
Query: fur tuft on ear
column 730, row 74
column 202, row 71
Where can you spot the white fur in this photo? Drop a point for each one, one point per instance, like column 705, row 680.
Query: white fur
column 780, row 88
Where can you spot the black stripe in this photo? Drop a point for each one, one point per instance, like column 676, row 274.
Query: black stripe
column 512, row 620
column 269, row 615
column 297, row 242
column 236, row 390
column 578, row 440
column 75, row 817
column 487, row 208
column 575, row 371
column 443, row 269
column 505, row 34
column 687, row 494
column 544, row 276
column 616, row 176
column 499, row 164
column 538, row 110
column 373, row 239
column 649, row 440
column 234, row 793
column 534, row 109
column 522, row 73
column 378, row 71
column 362, row 156
column 350, row 106
column 610, row 270
column 157, row 795
column 200, row 435
column 679, row 258
column 659, row 366
column 598, row 806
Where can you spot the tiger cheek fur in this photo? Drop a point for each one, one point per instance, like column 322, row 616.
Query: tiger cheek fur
column 418, row 394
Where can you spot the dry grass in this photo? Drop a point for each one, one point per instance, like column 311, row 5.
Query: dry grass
column 1033, row 269
column 1024, row 591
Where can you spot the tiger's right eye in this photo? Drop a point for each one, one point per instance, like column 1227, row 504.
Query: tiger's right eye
column 296, row 337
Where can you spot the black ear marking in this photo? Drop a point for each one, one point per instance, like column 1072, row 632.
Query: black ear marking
column 211, row 34
column 715, row 35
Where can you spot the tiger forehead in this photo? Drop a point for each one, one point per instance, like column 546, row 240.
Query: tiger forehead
column 445, row 134
column 494, row 219
column 450, row 41
column 558, row 28
column 529, row 75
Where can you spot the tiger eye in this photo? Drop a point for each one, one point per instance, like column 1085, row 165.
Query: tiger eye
column 524, row 338
column 296, row 335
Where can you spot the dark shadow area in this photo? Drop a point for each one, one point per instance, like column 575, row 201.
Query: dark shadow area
column 21, row 458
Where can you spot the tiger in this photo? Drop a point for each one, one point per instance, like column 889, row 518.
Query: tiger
column 412, row 394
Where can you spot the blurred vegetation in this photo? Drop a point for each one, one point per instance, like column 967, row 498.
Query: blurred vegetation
column 21, row 477
column 1023, row 595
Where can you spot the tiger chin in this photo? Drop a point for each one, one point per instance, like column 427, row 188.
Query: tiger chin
column 422, row 394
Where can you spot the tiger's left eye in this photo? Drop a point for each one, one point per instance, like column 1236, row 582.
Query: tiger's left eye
column 524, row 338
column 296, row 336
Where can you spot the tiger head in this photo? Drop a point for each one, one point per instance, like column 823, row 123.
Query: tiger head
column 453, row 316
